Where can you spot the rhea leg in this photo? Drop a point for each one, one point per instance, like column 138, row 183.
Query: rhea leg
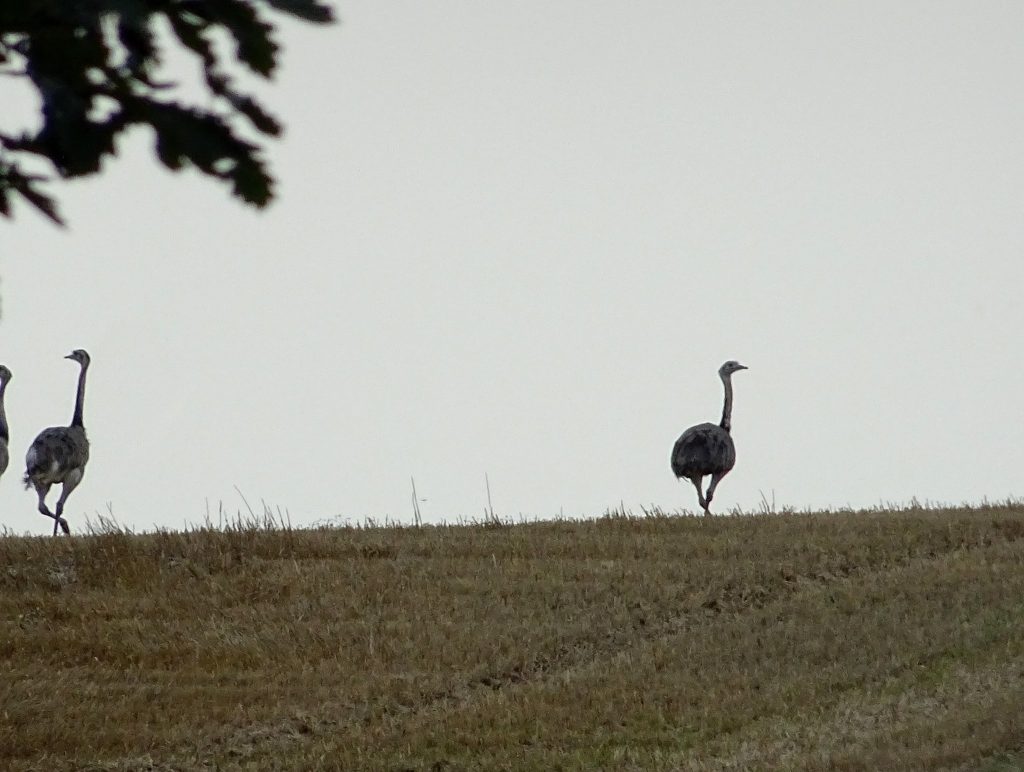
column 696, row 480
column 715, row 479
column 41, row 490
column 58, row 520
column 70, row 483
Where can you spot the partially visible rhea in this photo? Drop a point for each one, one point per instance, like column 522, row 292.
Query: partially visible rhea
column 59, row 454
column 5, row 435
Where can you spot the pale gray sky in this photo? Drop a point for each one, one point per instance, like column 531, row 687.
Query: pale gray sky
column 520, row 238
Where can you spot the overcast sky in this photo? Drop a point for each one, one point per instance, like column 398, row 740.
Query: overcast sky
column 520, row 238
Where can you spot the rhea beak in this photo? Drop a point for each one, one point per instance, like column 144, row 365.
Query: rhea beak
column 70, row 356
column 742, row 367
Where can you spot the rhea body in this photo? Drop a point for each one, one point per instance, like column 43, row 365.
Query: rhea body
column 59, row 454
column 708, row 449
column 5, row 436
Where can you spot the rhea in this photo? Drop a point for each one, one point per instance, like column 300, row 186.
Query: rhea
column 59, row 454
column 5, row 437
column 708, row 449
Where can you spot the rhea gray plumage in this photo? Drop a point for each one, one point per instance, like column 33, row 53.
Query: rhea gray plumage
column 707, row 449
column 59, row 454
column 5, row 437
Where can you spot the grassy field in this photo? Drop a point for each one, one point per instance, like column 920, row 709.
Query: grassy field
column 851, row 641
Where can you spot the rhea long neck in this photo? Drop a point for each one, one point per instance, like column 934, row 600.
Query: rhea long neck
column 4, row 434
column 80, row 399
column 726, row 422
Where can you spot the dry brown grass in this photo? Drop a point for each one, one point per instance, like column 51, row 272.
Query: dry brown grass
column 879, row 640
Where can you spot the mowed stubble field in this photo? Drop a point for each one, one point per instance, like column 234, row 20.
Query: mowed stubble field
column 870, row 640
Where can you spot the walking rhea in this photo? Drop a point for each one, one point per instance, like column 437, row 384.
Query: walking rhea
column 707, row 449
column 59, row 454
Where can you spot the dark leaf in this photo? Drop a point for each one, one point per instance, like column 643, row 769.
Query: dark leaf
column 206, row 141
column 191, row 35
column 254, row 46
column 252, row 183
column 168, row 150
column 217, row 83
column 261, row 119
column 310, row 10
column 135, row 35
column 42, row 202
column 12, row 179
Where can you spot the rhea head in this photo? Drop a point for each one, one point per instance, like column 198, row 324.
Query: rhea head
column 79, row 355
column 5, row 374
column 729, row 368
